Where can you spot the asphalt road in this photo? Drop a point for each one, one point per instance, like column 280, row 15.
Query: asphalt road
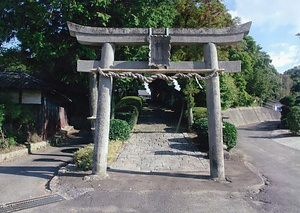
column 28, row 176
column 265, row 148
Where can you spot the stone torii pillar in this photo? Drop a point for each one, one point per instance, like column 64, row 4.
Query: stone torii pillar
column 101, row 136
column 159, row 41
column 215, row 133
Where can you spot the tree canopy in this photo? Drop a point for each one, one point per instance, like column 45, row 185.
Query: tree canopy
column 292, row 81
column 47, row 51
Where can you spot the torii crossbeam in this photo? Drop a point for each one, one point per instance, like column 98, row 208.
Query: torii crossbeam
column 159, row 41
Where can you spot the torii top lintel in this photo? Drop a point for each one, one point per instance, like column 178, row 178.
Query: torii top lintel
column 96, row 36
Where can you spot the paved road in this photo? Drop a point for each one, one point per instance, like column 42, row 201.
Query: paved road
column 277, row 156
column 27, row 177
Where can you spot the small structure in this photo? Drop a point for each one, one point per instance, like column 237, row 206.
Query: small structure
column 48, row 105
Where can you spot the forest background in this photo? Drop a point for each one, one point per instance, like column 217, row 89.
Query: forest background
column 45, row 49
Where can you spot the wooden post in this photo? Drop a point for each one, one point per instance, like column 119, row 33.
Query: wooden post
column 103, row 115
column 215, row 133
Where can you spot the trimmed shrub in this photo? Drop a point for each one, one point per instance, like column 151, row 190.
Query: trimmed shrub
column 229, row 133
column 131, row 100
column 201, row 128
column 199, row 112
column 119, row 130
column 84, row 157
column 128, row 113
column 293, row 120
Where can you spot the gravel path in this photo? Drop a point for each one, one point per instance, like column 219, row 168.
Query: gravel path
column 154, row 146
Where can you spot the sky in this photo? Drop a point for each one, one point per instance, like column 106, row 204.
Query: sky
column 275, row 24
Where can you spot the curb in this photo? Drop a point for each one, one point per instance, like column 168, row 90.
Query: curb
column 255, row 188
column 24, row 151
column 31, row 147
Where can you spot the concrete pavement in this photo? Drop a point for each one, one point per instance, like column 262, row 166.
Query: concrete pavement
column 157, row 171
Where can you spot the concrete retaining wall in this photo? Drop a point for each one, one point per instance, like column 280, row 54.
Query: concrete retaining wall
column 250, row 115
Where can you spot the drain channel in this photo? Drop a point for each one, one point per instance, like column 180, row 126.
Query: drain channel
column 30, row 203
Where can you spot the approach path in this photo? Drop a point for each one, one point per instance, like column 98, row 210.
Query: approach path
column 154, row 146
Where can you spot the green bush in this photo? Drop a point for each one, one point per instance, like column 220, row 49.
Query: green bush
column 229, row 133
column 288, row 102
column 201, row 128
column 297, row 101
column 199, row 112
column 293, row 120
column 84, row 157
column 15, row 121
column 131, row 100
column 127, row 113
column 119, row 130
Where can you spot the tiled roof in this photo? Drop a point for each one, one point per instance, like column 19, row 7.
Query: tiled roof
column 20, row 80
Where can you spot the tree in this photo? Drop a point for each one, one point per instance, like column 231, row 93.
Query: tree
column 12, row 59
column 293, row 119
column 190, row 89
column 228, row 91
column 293, row 75
column 286, row 85
column 197, row 14
column 50, row 53
column 262, row 80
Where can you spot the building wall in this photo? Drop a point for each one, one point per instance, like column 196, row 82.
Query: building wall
column 31, row 97
column 48, row 113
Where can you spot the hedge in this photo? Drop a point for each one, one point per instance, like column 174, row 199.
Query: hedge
column 229, row 133
column 129, row 114
column 130, row 100
column 199, row 112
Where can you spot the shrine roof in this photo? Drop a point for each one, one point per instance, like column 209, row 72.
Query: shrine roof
column 21, row 80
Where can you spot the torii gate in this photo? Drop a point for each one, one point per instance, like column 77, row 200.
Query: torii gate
column 159, row 41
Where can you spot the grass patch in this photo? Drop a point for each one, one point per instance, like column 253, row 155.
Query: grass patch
column 114, row 148
column 84, row 157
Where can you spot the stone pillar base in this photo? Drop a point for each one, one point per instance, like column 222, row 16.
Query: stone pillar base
column 95, row 177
